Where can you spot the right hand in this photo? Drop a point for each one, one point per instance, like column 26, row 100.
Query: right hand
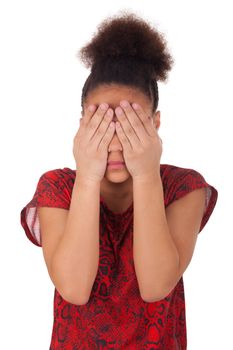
column 90, row 145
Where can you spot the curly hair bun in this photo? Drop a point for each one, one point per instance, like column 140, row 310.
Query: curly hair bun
column 128, row 36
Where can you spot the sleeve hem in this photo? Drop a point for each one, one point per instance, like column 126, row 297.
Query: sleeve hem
column 26, row 228
column 210, row 206
column 186, row 181
column 211, row 197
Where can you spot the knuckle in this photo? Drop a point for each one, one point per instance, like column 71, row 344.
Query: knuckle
column 102, row 110
column 104, row 141
column 99, row 131
column 106, row 117
column 92, row 124
column 129, row 130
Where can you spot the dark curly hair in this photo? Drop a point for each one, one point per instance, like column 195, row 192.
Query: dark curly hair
column 126, row 50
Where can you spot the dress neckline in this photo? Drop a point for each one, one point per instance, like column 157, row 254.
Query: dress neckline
column 102, row 201
column 113, row 213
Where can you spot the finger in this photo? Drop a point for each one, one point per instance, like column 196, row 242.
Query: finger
column 95, row 121
column 103, row 145
column 127, row 146
column 145, row 119
column 87, row 115
column 134, row 120
column 128, row 129
column 102, row 128
column 140, row 123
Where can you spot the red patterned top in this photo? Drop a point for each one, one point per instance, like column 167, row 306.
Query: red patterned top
column 115, row 316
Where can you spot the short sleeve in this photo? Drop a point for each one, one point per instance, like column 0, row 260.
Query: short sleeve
column 183, row 181
column 51, row 191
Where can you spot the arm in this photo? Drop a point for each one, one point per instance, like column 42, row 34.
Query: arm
column 164, row 240
column 75, row 261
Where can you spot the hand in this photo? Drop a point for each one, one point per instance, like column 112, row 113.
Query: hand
column 142, row 146
column 90, row 146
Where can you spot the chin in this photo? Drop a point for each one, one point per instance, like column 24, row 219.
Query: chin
column 117, row 176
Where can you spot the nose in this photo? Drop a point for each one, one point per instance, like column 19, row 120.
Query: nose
column 115, row 144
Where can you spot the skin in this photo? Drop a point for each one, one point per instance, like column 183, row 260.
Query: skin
column 117, row 186
column 163, row 238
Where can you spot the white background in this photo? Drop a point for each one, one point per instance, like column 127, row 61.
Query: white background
column 40, row 87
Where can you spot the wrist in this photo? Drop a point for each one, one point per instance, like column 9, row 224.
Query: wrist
column 155, row 177
column 81, row 179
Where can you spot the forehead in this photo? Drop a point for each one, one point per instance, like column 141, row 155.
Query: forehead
column 113, row 94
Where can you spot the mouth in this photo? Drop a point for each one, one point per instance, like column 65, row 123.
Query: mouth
column 111, row 162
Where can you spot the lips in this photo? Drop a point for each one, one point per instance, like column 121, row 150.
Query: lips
column 115, row 162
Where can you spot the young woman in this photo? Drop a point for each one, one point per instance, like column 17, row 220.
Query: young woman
column 117, row 239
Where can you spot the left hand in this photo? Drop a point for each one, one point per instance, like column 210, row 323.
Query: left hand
column 142, row 146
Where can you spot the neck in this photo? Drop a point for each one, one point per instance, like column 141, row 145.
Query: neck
column 119, row 191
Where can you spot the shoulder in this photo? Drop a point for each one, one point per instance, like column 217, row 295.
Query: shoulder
column 58, row 173
column 54, row 188
column 176, row 178
column 58, row 177
column 178, row 181
column 59, row 180
column 170, row 172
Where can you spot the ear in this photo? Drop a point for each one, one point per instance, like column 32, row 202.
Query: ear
column 156, row 119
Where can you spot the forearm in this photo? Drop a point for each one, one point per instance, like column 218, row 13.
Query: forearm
column 156, row 258
column 76, row 258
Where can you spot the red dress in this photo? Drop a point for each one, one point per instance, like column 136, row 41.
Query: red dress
column 116, row 317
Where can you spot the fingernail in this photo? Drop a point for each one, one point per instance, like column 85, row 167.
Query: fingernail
column 91, row 108
column 103, row 106
column 119, row 111
column 124, row 103
column 109, row 112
